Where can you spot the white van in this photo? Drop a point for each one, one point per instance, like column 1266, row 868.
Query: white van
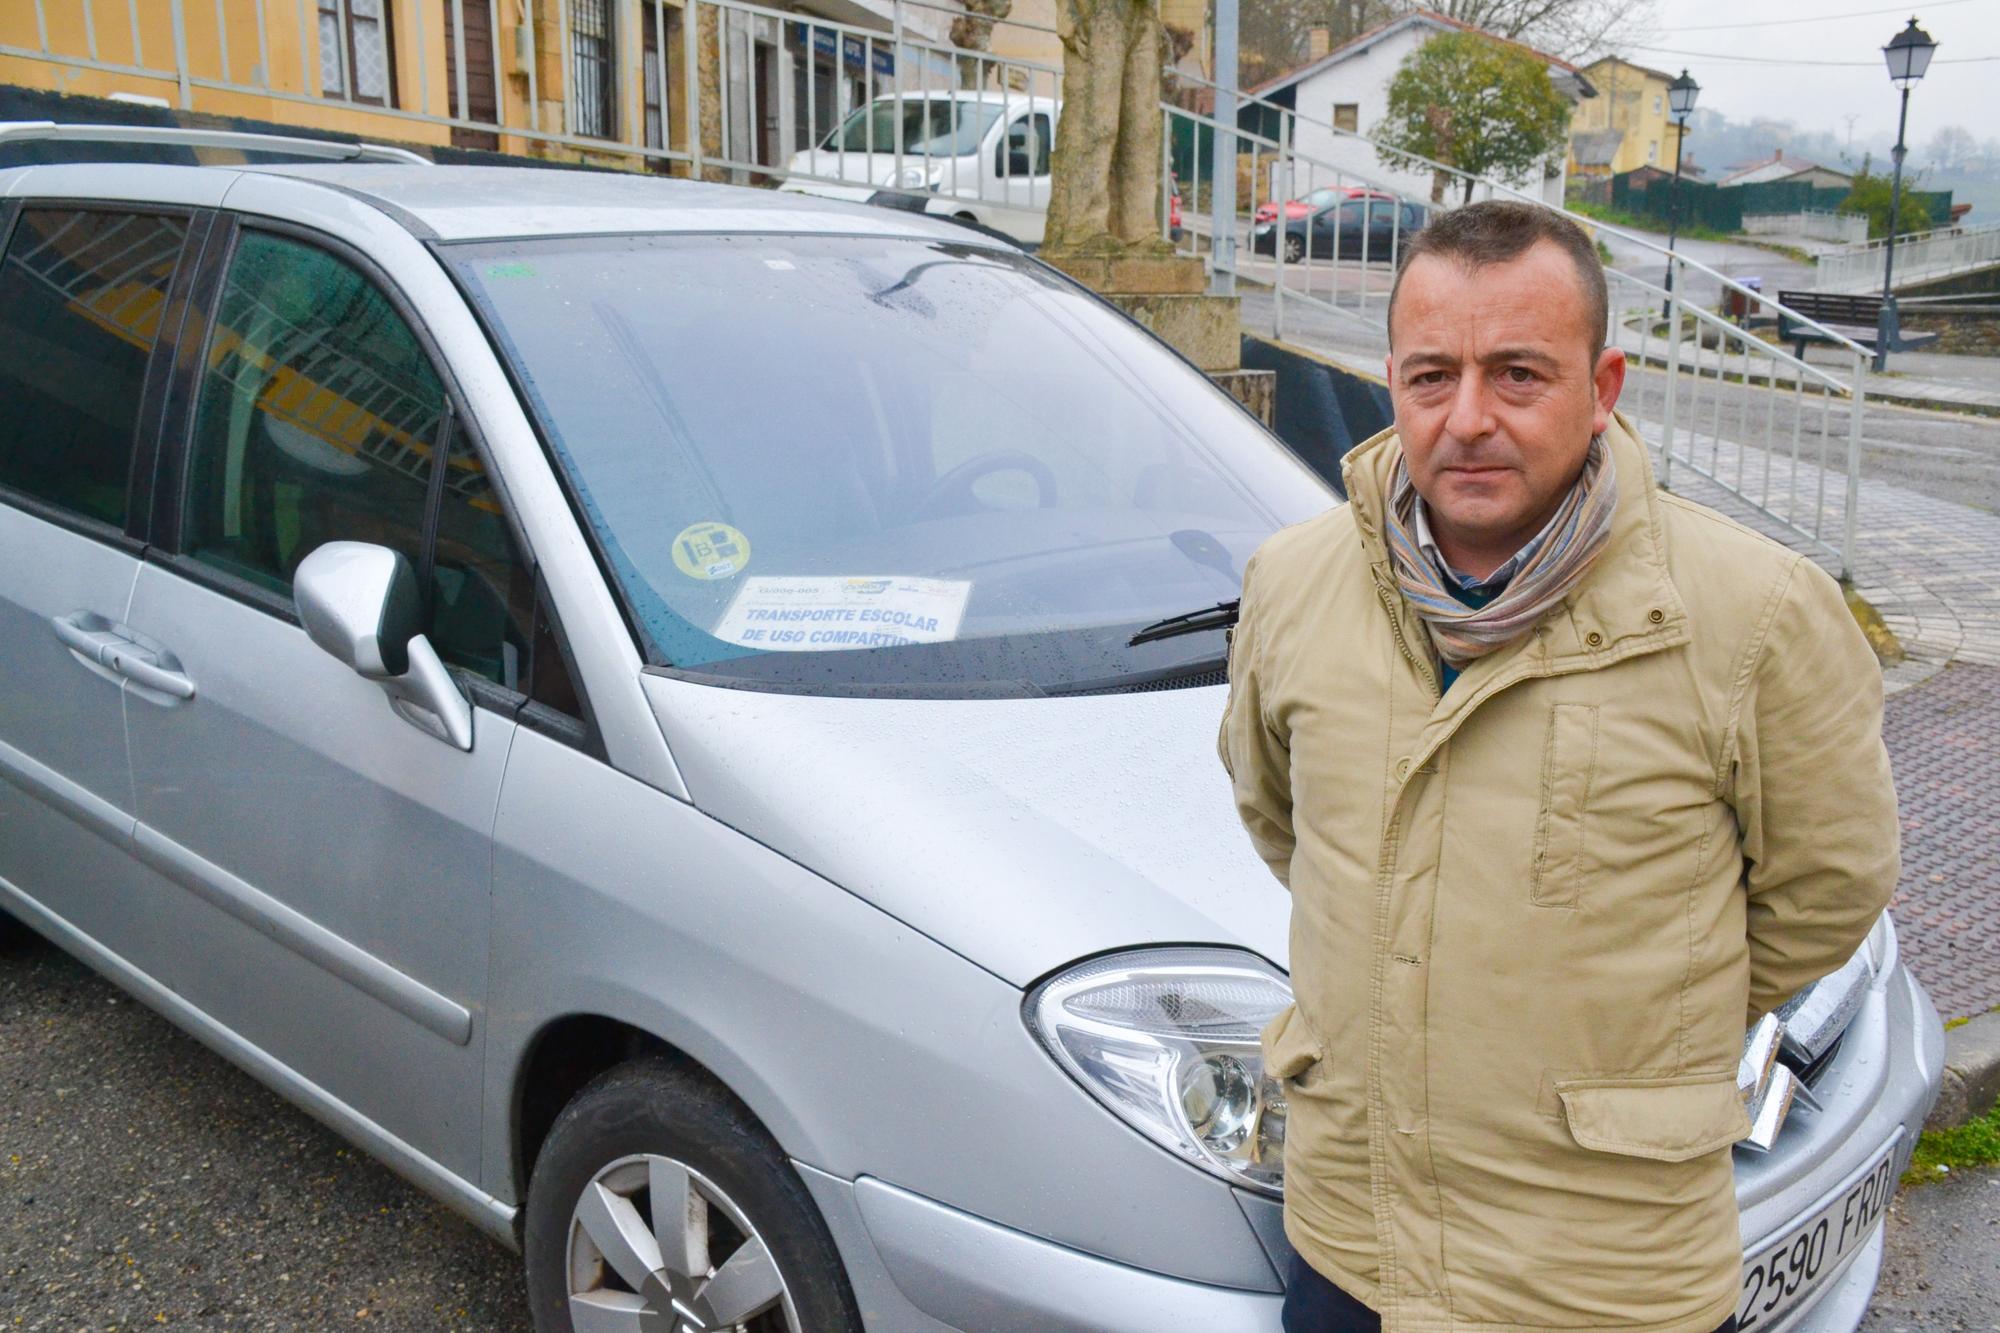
column 984, row 155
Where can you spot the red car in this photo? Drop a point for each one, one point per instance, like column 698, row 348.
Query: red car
column 1318, row 199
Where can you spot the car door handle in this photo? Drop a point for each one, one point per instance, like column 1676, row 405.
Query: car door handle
column 142, row 666
column 114, row 647
column 86, row 634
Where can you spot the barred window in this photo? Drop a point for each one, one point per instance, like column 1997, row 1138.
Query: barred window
column 354, row 56
column 591, row 55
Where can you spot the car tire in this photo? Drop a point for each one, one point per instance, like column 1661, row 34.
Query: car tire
column 1295, row 248
column 649, row 1126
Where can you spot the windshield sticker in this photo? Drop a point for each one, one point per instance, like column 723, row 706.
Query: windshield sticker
column 816, row 614
column 711, row 550
column 516, row 269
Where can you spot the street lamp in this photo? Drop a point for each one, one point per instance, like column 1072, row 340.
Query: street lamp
column 1908, row 54
column 1680, row 100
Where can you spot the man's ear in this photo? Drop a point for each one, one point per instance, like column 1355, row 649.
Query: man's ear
column 1608, row 379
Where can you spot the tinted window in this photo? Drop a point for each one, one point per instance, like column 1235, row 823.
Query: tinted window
column 1031, row 141
column 482, row 598
column 81, row 298
column 317, row 417
column 936, row 455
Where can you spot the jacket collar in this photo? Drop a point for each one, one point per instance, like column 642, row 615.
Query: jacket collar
column 1626, row 605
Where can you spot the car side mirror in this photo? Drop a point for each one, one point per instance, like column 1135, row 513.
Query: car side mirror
column 360, row 603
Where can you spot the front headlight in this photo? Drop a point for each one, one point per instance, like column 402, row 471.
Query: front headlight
column 1167, row 1039
column 911, row 178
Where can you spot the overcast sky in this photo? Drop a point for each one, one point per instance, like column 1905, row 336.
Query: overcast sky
column 1821, row 97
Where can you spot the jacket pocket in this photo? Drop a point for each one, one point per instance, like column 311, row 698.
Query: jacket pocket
column 1671, row 1119
column 1290, row 1048
column 1569, row 772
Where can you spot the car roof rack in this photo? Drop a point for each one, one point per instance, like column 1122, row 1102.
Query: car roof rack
column 42, row 131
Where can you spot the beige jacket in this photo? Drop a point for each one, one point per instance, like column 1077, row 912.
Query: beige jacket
column 1530, row 918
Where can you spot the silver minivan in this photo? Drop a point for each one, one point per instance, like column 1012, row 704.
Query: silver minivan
column 621, row 697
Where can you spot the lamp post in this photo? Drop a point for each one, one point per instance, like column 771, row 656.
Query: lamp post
column 1908, row 55
column 1680, row 100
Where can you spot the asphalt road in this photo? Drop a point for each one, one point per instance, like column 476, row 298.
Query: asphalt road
column 1942, row 1274
column 146, row 1183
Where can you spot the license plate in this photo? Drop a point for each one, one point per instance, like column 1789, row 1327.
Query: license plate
column 1784, row 1275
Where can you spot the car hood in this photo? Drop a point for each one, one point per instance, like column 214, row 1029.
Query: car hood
column 1020, row 833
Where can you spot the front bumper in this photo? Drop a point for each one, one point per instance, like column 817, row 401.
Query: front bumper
column 918, row 1266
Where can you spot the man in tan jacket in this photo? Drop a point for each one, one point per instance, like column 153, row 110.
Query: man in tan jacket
column 1568, row 777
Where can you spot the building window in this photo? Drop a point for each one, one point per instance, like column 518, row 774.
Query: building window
column 1346, row 116
column 1653, row 151
column 354, row 56
column 1656, row 104
column 590, row 41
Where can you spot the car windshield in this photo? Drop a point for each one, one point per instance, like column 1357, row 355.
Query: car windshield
column 934, row 127
column 866, row 465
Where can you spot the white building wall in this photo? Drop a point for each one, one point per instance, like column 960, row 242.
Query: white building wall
column 1363, row 78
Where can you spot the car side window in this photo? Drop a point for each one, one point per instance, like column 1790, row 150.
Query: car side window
column 81, row 299
column 316, row 420
column 482, row 594
column 1028, row 138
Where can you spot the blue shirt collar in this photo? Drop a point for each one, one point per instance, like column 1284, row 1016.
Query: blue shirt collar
column 1493, row 583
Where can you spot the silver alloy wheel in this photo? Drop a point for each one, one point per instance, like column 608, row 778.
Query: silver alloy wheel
column 642, row 1242
column 1295, row 248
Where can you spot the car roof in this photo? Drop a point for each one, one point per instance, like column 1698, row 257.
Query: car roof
column 454, row 203
column 465, row 203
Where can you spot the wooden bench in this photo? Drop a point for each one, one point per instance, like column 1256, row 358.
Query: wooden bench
column 1851, row 316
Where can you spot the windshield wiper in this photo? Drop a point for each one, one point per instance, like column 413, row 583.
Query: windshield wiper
column 1220, row 616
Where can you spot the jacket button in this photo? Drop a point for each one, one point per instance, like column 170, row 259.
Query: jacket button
column 1656, row 615
column 1402, row 769
column 1594, row 639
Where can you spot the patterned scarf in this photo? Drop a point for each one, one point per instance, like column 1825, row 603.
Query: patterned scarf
column 1576, row 534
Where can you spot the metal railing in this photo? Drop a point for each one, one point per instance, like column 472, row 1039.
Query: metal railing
column 1774, row 432
column 1920, row 256
column 764, row 95
column 1815, row 224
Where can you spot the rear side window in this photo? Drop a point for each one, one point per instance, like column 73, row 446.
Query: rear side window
column 82, row 295
column 318, row 416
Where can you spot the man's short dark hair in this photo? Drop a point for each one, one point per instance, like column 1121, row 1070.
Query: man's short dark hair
column 1498, row 230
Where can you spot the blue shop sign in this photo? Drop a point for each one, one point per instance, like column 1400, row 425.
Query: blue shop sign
column 855, row 52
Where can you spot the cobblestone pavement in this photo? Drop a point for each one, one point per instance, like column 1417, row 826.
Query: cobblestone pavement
column 1944, row 740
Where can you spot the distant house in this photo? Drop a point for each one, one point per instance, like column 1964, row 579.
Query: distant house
column 1780, row 167
column 1592, row 152
column 1345, row 93
column 1631, row 112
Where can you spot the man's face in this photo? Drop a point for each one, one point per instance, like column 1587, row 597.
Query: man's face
column 1496, row 395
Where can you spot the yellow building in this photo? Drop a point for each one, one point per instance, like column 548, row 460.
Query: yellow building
column 594, row 80
column 1631, row 101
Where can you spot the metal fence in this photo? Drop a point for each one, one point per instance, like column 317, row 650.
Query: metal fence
column 736, row 90
column 1922, row 255
column 1777, row 433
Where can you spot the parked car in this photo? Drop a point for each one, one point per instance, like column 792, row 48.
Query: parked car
column 983, row 156
column 1318, row 199
column 628, row 699
column 1371, row 229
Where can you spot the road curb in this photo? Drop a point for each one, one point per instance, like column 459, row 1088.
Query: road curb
column 1971, row 1073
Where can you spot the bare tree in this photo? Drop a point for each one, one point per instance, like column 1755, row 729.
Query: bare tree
column 1952, row 147
column 1572, row 29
